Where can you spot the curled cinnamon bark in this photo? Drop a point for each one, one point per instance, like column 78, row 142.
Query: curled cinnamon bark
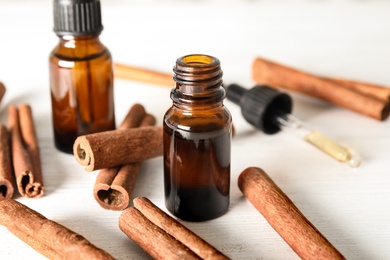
column 152, row 239
column 114, row 186
column 174, row 228
column 2, row 91
column 281, row 213
column 161, row 236
column 6, row 176
column 49, row 238
column 333, row 91
column 134, row 117
column 118, row 147
column 369, row 89
column 25, row 152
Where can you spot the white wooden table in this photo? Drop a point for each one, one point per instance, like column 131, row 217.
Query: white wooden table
column 349, row 39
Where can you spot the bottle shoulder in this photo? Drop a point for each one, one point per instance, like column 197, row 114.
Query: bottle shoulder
column 198, row 120
column 80, row 49
column 199, row 112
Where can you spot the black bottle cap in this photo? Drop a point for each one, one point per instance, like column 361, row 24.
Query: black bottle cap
column 260, row 105
column 77, row 17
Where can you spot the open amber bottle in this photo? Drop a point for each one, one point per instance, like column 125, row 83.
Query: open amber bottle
column 197, row 137
column 81, row 75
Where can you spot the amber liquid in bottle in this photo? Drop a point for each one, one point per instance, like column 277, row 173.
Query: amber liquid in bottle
column 197, row 136
column 81, row 82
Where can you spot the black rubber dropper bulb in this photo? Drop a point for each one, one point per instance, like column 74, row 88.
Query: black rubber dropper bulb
column 261, row 105
column 269, row 110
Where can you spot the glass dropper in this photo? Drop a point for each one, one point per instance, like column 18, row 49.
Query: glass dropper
column 338, row 152
column 270, row 111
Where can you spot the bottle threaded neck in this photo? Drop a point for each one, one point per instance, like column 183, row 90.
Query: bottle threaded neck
column 198, row 75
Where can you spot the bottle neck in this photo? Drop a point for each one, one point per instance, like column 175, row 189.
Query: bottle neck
column 198, row 82
column 76, row 40
column 79, row 47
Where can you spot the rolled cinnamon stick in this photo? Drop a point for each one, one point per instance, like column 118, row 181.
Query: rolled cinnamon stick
column 127, row 72
column 114, row 186
column 369, row 89
column 49, row 238
column 281, row 213
column 152, row 239
column 6, row 176
column 31, row 143
column 277, row 75
column 118, row 147
column 174, row 228
column 25, row 152
column 2, row 91
column 134, row 117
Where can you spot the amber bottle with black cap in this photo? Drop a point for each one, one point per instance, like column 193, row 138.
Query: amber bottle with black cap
column 81, row 74
column 197, row 137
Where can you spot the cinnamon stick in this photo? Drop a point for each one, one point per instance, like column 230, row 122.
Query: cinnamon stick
column 174, row 228
column 2, row 91
column 333, row 91
column 6, row 176
column 161, row 236
column 49, row 238
column 114, row 186
column 122, row 71
column 134, row 117
column 369, row 89
column 25, row 152
column 281, row 213
column 118, row 147
column 152, row 239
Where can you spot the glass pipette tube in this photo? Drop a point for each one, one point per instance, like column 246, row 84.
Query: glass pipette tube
column 328, row 146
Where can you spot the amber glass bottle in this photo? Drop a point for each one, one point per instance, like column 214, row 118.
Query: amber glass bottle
column 81, row 76
column 197, row 136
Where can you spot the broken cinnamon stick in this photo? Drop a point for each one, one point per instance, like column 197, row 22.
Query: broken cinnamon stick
column 281, row 213
column 118, row 147
column 6, row 176
column 2, row 91
column 114, row 186
column 127, row 72
column 174, row 228
column 49, row 238
column 25, row 152
column 277, row 75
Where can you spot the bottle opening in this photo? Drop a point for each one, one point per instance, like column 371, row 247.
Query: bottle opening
column 198, row 59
